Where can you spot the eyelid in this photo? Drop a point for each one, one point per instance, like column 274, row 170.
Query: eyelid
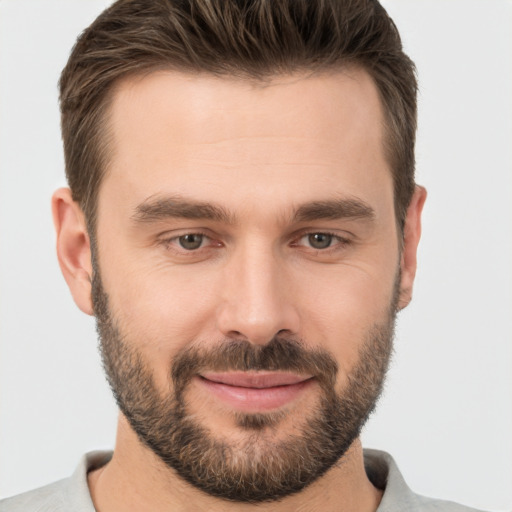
column 170, row 239
column 171, row 234
column 343, row 239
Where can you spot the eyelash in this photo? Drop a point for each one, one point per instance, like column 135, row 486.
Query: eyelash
column 168, row 242
column 338, row 242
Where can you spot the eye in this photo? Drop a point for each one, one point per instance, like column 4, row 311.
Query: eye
column 322, row 243
column 191, row 241
column 319, row 240
column 189, row 247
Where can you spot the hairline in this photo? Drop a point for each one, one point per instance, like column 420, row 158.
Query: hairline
column 103, row 130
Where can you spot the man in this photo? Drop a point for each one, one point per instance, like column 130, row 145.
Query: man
column 243, row 222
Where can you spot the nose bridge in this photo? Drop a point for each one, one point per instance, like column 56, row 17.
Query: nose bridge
column 256, row 303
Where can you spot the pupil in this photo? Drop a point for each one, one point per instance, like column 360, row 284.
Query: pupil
column 320, row 240
column 191, row 242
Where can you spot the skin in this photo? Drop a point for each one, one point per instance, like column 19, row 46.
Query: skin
column 259, row 153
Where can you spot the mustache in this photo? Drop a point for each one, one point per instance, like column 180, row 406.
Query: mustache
column 280, row 354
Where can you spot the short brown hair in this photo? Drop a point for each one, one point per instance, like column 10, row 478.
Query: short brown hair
column 254, row 39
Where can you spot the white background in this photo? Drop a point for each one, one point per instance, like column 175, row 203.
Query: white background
column 447, row 411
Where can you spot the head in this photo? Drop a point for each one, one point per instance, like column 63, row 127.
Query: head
column 253, row 40
column 242, row 215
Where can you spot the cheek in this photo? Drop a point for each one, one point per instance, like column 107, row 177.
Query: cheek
column 161, row 310
column 342, row 308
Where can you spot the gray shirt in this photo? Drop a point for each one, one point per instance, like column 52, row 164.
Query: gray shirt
column 72, row 494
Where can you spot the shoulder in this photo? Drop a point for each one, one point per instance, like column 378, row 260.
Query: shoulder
column 430, row 504
column 49, row 497
column 67, row 495
column 398, row 497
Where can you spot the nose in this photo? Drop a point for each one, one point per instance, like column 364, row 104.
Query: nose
column 257, row 301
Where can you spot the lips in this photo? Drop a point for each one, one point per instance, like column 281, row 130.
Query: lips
column 259, row 380
column 255, row 391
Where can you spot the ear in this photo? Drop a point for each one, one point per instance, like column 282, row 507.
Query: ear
column 73, row 248
column 411, row 238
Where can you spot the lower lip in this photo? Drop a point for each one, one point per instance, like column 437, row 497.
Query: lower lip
column 255, row 399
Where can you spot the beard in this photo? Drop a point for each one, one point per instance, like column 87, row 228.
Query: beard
column 261, row 465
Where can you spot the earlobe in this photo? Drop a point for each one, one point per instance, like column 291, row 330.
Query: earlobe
column 73, row 248
column 411, row 238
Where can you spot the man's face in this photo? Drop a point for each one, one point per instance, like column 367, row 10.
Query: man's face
column 249, row 263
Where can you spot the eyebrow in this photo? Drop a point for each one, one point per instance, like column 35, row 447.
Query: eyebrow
column 334, row 209
column 155, row 209
column 159, row 209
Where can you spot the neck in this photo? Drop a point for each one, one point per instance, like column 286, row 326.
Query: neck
column 136, row 479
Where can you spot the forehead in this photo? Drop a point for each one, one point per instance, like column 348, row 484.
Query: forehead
column 278, row 142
